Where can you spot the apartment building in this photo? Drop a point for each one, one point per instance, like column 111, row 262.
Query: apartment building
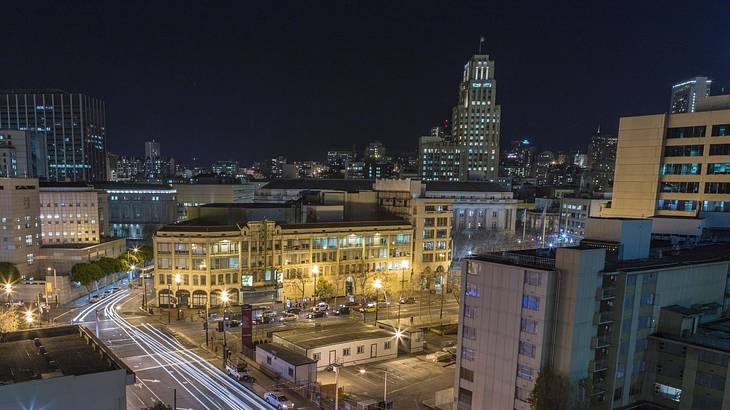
column 674, row 164
column 586, row 311
column 281, row 259
column 574, row 212
column 70, row 213
column 20, row 225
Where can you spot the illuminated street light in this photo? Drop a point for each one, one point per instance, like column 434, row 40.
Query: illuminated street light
column 29, row 317
column 398, row 334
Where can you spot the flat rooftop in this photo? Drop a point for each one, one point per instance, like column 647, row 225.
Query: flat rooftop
column 54, row 352
column 713, row 335
column 293, row 358
column 312, row 338
column 247, row 205
column 347, row 185
column 464, row 186
column 102, row 240
column 701, row 253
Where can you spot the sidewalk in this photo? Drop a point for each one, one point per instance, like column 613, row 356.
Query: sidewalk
column 191, row 333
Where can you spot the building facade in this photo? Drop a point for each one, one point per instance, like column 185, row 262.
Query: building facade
column 23, row 154
column 20, row 224
column 673, row 165
column 601, row 161
column 288, row 259
column 70, row 214
column 74, row 125
column 574, row 213
column 439, row 158
column 136, row 211
column 476, row 120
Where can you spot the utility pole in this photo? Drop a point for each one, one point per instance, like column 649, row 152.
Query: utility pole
column 174, row 399
column 207, row 314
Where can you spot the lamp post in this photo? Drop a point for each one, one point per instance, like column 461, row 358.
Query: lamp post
column 224, row 299
column 403, row 267
column 55, row 286
column 8, row 291
column 169, row 302
column 336, row 369
column 385, row 383
column 377, row 285
column 315, row 273
column 29, row 318
column 178, row 279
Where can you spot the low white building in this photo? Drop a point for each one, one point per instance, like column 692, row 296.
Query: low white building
column 348, row 345
column 287, row 364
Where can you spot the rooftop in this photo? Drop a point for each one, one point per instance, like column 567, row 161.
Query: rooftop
column 58, row 184
column 311, row 338
column 102, row 240
column 285, row 354
column 54, row 352
column 195, row 225
column 713, row 335
column 248, row 205
column 541, row 258
column 465, row 186
column 126, row 185
column 348, row 185
column 693, row 255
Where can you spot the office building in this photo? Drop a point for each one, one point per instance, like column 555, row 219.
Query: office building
column 477, row 205
column 439, row 157
column 517, row 161
column 136, row 211
column 193, row 195
column 601, row 161
column 686, row 94
column 476, row 120
column 338, row 161
column 225, row 168
column 276, row 167
column 23, row 154
column 20, row 225
column 152, row 150
column 574, row 213
column 375, row 151
column 587, row 312
column 61, row 368
column 674, row 164
column 70, row 213
column 74, row 125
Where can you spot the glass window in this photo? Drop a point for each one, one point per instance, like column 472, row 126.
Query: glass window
column 528, row 325
column 527, row 349
column 533, row 278
column 721, row 130
column 717, row 187
column 668, row 392
column 681, row 169
column 684, row 150
column 720, row 149
column 466, row 374
column 716, row 206
column 685, row 187
column 525, row 372
column 676, row 205
column 531, row 302
column 718, row 168
column 686, row 132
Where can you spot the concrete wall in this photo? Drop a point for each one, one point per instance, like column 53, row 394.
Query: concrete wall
column 303, row 375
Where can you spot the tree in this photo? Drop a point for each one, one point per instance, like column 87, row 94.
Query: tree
column 86, row 274
column 325, row 289
column 8, row 321
column 8, row 273
column 550, row 391
column 145, row 253
column 109, row 265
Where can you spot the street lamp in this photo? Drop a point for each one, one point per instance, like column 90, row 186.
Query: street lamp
column 403, row 266
column 178, row 279
column 29, row 318
column 315, row 273
column 336, row 369
column 224, row 299
column 55, row 286
column 377, row 285
column 8, row 291
column 385, row 383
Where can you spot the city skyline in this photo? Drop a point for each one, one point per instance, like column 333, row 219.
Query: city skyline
column 338, row 102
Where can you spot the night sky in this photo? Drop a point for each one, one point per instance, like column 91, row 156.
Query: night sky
column 248, row 80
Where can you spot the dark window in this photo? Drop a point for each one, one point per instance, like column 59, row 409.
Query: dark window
column 685, row 187
column 676, row 205
column 719, row 168
column 720, row 130
column 464, row 396
column 717, row 187
column 684, row 150
column 686, row 132
column 466, row 374
column 713, row 381
column 720, row 149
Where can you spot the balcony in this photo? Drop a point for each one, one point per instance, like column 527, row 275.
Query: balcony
column 599, row 342
column 606, row 293
column 598, row 365
column 600, row 318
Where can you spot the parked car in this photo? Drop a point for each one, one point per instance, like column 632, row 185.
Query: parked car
column 94, row 299
column 288, row 317
column 107, row 292
column 439, row 356
column 342, row 310
column 368, row 308
column 294, row 311
column 407, row 300
column 278, row 400
column 323, row 306
column 352, row 304
column 116, row 289
column 316, row 314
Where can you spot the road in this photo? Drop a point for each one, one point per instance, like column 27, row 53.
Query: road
column 161, row 363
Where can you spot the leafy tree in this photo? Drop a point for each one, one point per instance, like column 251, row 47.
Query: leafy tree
column 551, row 391
column 324, row 289
column 158, row 406
column 145, row 253
column 9, row 321
column 86, row 274
column 8, row 273
column 109, row 265
column 298, row 283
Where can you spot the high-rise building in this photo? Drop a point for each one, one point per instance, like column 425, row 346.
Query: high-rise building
column 276, row 167
column 674, row 164
column 374, row 151
column 586, row 312
column 439, row 157
column 518, row 160
column 225, row 168
column 74, row 125
column 338, row 161
column 476, row 120
column 602, row 161
column 686, row 94
column 23, row 154
column 152, row 150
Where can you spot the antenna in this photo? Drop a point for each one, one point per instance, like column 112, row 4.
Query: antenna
column 481, row 41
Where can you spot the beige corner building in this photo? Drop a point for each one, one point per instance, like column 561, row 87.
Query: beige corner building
column 674, row 164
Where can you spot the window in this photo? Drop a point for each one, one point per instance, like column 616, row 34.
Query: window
column 716, row 206
column 685, row 187
column 720, row 149
column 268, row 359
column 464, row 396
column 525, row 372
column 467, row 354
column 466, row 374
column 684, row 151
column 361, row 349
column 722, row 168
column 646, row 322
column 469, row 311
column 681, row 169
column 721, row 130
column 428, row 234
column 676, row 205
column 386, row 345
column 686, row 132
column 346, row 351
column 472, row 290
column 533, row 278
column 527, row 349
column 469, row 333
column 427, row 257
column 442, row 221
column 442, row 233
column 202, row 280
column 531, row 302
column 717, row 187
column 316, row 356
column 291, row 372
column 522, row 394
column 528, row 325
column 668, row 392
column 647, row 299
column 712, row 357
column 429, row 222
